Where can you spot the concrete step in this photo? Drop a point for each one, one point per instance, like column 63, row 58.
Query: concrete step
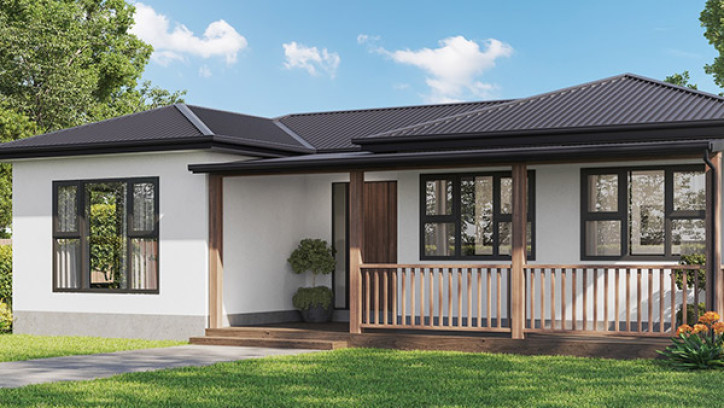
column 277, row 333
column 308, row 344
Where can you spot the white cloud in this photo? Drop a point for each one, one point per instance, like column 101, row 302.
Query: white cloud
column 205, row 71
column 366, row 38
column 454, row 68
column 310, row 59
column 219, row 39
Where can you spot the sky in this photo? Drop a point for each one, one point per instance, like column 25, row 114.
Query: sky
column 270, row 58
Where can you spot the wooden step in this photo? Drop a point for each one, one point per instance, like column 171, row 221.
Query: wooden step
column 308, row 344
column 277, row 333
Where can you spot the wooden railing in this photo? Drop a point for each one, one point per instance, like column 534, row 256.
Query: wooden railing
column 435, row 297
column 609, row 299
column 640, row 300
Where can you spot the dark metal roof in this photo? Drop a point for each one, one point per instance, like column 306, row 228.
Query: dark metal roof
column 620, row 101
column 333, row 131
column 167, row 128
column 363, row 160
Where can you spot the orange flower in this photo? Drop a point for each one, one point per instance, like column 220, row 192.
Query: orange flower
column 684, row 328
column 709, row 318
column 718, row 327
column 700, row 328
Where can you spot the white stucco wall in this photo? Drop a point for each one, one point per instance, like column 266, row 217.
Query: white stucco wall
column 183, row 233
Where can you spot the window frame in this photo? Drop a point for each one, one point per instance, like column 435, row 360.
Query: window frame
column 82, row 232
column 455, row 217
column 622, row 213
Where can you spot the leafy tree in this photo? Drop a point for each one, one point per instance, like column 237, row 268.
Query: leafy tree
column 64, row 63
column 681, row 79
column 712, row 19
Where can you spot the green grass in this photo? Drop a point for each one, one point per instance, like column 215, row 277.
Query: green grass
column 16, row 347
column 384, row 378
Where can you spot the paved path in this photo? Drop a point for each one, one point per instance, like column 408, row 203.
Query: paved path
column 89, row 367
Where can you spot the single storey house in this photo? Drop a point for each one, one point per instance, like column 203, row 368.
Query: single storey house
column 565, row 212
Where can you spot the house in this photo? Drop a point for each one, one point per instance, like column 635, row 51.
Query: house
column 564, row 212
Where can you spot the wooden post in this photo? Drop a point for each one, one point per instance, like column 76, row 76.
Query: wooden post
column 714, row 279
column 356, row 227
column 517, row 289
column 216, row 249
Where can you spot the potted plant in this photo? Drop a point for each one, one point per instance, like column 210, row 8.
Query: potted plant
column 317, row 257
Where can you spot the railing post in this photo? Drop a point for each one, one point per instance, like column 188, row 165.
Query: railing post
column 356, row 227
column 517, row 281
column 714, row 279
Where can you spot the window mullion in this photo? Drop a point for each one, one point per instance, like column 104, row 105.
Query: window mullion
column 457, row 214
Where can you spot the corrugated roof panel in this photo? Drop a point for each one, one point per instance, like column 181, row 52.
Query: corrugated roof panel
column 622, row 100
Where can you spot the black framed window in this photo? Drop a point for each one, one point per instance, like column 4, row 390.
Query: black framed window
column 105, row 235
column 643, row 212
column 465, row 216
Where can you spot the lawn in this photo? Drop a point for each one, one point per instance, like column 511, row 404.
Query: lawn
column 385, row 378
column 16, row 347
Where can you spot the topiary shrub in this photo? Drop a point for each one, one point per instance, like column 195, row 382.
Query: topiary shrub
column 312, row 255
column 307, row 298
column 6, row 274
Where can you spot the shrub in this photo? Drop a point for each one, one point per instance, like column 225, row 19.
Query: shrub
column 6, row 274
column 313, row 255
column 698, row 347
column 306, row 298
column 691, row 313
column 6, row 318
column 695, row 259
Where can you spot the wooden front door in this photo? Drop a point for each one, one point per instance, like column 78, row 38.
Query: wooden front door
column 380, row 231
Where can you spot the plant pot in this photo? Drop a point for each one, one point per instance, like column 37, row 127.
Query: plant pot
column 317, row 314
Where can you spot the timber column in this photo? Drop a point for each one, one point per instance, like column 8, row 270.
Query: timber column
column 356, row 231
column 517, row 279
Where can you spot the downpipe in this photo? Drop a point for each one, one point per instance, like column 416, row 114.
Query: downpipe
column 712, row 226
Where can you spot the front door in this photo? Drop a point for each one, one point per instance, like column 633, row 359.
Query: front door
column 380, row 231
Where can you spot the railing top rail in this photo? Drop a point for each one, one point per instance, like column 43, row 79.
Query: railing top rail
column 430, row 266
column 621, row 266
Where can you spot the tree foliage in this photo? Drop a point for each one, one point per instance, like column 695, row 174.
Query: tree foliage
column 64, row 63
column 712, row 19
column 681, row 79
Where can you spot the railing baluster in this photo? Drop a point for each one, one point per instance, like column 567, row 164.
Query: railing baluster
column 403, row 304
column 617, row 300
column 480, row 296
column 639, row 305
column 584, row 288
column 553, row 298
column 564, row 304
column 532, row 299
column 673, row 300
column 386, row 303
column 595, row 299
column 470, row 299
column 685, row 296
column 542, row 298
column 489, row 298
column 651, row 300
column 499, row 302
column 628, row 299
column 368, row 299
column 696, row 295
column 377, row 296
column 449, row 297
column 661, row 301
column 422, row 297
column 394, row 296
column 431, row 301
column 605, row 299
column 460, row 297
column 574, row 304
column 413, row 312
column 441, row 284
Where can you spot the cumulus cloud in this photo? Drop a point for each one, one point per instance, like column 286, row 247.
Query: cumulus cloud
column 454, row 68
column 310, row 59
column 172, row 44
column 205, row 71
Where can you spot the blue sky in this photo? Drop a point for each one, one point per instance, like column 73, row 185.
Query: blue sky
column 274, row 57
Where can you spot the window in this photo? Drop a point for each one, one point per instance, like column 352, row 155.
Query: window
column 105, row 235
column 470, row 216
column 641, row 213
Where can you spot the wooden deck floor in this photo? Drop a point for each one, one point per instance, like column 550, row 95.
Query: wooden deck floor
column 330, row 336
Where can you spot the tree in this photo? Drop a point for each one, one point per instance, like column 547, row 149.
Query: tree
column 712, row 19
column 64, row 63
column 681, row 79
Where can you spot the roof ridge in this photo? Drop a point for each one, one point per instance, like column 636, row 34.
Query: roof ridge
column 676, row 87
column 230, row 112
column 521, row 101
column 392, row 108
